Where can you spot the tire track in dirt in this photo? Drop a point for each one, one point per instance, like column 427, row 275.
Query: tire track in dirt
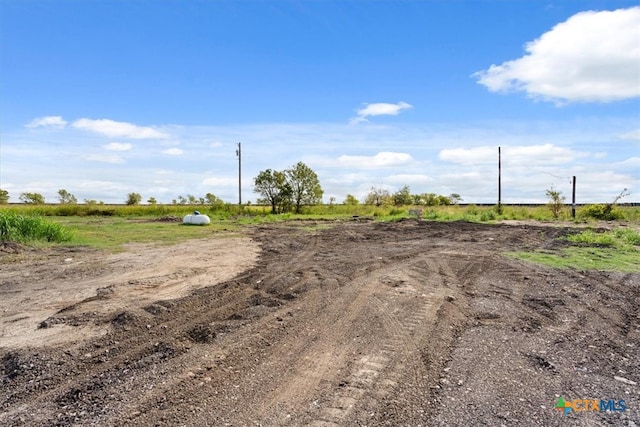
column 53, row 281
column 367, row 368
column 286, row 282
column 140, row 343
column 535, row 320
column 126, row 352
column 329, row 349
column 349, row 325
column 376, row 374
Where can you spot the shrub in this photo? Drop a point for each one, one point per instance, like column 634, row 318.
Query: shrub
column 472, row 209
column 603, row 212
column 487, row 216
column 556, row 202
column 431, row 214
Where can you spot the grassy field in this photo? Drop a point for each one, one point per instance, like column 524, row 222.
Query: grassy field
column 262, row 213
column 110, row 227
column 113, row 233
column 612, row 250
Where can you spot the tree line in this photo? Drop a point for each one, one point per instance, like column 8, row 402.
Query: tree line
column 284, row 191
column 66, row 198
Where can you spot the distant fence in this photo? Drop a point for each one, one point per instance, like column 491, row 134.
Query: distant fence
column 533, row 205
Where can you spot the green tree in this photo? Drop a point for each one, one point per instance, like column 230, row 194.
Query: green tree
column 444, row 200
column 431, row 199
column 378, row 197
column 152, row 201
column 133, row 199
column 66, row 198
column 403, row 197
column 351, row 200
column 4, row 197
column 556, row 201
column 32, row 198
column 305, row 186
column 417, row 199
column 212, row 199
column 455, row 198
column 274, row 189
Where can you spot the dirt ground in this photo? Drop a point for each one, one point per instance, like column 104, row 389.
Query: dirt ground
column 352, row 323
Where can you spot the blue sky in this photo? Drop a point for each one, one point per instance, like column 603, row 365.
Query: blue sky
column 105, row 98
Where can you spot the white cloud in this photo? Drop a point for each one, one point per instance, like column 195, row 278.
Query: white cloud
column 608, row 184
column 221, row 181
column 118, row 146
column 105, row 191
column 632, row 163
column 111, row 158
column 408, row 179
column 115, row 129
column 105, row 185
column 524, row 155
column 536, row 155
column 379, row 109
column 470, row 156
column 380, row 160
column 545, row 154
column 591, row 57
column 173, row 151
column 633, row 135
column 48, row 121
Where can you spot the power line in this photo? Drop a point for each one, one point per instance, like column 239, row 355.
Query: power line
column 555, row 176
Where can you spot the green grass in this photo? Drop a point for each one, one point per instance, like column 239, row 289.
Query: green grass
column 158, row 210
column 623, row 238
column 585, row 259
column 258, row 213
column 112, row 226
column 15, row 227
column 113, row 233
column 615, row 250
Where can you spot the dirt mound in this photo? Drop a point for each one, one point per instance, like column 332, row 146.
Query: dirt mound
column 168, row 218
column 407, row 323
column 11, row 247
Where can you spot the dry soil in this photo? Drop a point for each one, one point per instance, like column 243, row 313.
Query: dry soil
column 352, row 323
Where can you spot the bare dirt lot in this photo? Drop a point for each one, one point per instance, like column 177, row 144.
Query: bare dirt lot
column 340, row 324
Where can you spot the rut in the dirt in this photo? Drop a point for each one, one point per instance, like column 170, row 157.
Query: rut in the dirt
column 357, row 324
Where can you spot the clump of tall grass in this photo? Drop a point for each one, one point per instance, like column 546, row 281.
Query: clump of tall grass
column 24, row 229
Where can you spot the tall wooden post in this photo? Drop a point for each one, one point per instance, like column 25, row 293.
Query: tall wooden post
column 573, row 198
column 499, row 181
column 239, row 154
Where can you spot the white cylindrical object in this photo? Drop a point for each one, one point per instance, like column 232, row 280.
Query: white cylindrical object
column 196, row 219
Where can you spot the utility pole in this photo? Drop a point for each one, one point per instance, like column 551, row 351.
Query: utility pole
column 573, row 199
column 239, row 154
column 499, row 182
